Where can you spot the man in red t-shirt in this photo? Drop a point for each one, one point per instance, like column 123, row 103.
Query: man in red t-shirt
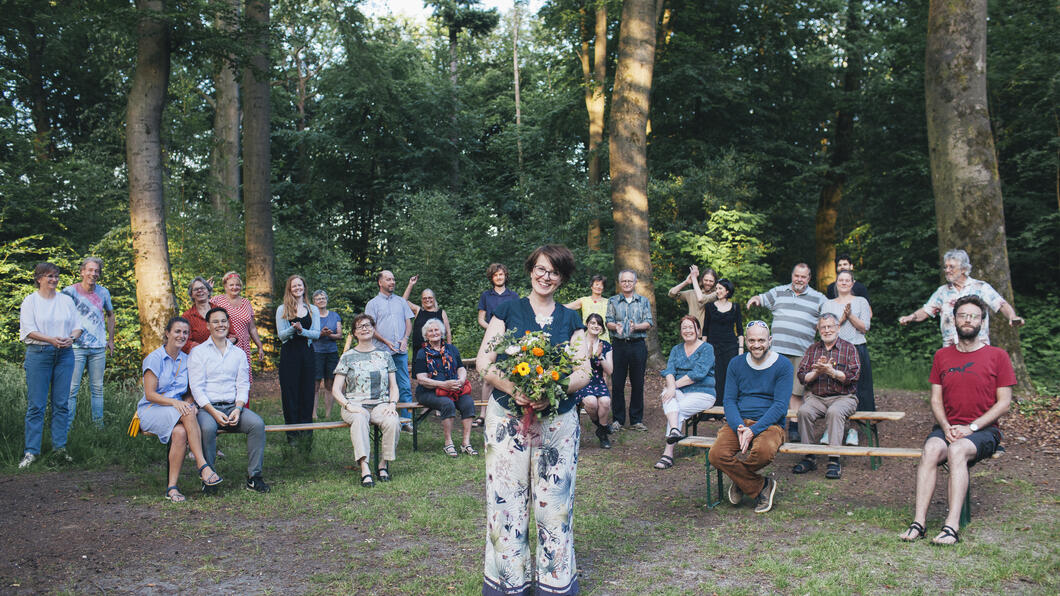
column 971, row 388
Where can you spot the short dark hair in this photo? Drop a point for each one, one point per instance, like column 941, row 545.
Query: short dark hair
column 597, row 278
column 599, row 319
column 361, row 317
column 970, row 300
column 494, row 268
column 43, row 269
column 210, row 312
column 174, row 320
column 843, row 256
column 725, row 283
column 561, row 258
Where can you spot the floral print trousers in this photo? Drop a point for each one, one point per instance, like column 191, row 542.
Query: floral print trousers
column 536, row 469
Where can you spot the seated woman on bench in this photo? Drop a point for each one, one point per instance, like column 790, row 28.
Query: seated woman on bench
column 164, row 413
column 441, row 384
column 366, row 387
column 689, row 389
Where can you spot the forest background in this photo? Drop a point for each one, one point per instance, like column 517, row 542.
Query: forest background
column 402, row 145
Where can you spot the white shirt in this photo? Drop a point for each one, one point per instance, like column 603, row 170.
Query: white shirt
column 218, row 377
column 55, row 317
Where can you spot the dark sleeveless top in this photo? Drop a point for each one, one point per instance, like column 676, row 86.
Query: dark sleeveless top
column 299, row 340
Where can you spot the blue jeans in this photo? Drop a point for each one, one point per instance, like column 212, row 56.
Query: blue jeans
column 401, row 361
column 48, row 369
column 96, row 361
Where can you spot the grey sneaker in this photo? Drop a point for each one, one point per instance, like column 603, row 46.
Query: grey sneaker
column 616, row 426
column 764, row 500
column 27, row 459
column 257, row 484
column 735, row 494
column 852, row 437
column 639, row 426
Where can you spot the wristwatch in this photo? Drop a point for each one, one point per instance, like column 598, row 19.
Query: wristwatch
column 974, row 427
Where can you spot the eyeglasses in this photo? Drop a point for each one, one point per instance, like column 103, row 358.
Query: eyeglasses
column 968, row 316
column 757, row 323
column 365, row 326
column 627, row 281
column 542, row 271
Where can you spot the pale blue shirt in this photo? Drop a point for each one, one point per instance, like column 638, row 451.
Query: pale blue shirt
column 218, row 377
column 172, row 374
column 391, row 314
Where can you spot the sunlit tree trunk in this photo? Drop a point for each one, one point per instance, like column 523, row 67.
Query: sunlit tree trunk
column 518, row 101
column 594, row 77
column 628, row 153
column 224, row 158
column 968, row 208
column 143, row 154
column 256, row 165
column 841, row 151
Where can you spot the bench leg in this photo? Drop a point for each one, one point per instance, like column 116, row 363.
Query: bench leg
column 712, row 504
column 377, row 438
column 966, row 511
column 874, row 441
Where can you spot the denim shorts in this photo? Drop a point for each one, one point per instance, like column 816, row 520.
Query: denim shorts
column 326, row 363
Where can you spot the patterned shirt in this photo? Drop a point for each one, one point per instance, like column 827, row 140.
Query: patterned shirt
column 91, row 306
column 794, row 318
column 844, row 358
column 367, row 374
column 941, row 303
column 628, row 312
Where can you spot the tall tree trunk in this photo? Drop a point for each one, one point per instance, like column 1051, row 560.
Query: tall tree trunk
column 454, row 140
column 143, row 155
column 628, row 153
column 43, row 143
column 518, row 101
column 832, row 193
column 968, row 208
column 595, row 78
column 257, row 195
column 224, row 158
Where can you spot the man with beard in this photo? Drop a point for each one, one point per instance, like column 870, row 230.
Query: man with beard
column 959, row 282
column 971, row 388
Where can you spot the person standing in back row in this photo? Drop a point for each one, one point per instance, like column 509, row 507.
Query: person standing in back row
column 90, row 350
column 628, row 319
column 393, row 324
column 488, row 303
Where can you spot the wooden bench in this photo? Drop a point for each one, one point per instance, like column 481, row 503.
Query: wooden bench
column 866, row 419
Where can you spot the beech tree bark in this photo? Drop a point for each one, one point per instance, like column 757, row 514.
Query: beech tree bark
column 257, row 194
column 224, row 158
column 628, row 149
column 143, row 155
column 594, row 76
column 968, row 209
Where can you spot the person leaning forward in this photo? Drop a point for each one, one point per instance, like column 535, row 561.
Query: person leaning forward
column 829, row 370
column 756, row 401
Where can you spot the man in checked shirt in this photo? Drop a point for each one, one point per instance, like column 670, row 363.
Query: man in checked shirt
column 829, row 370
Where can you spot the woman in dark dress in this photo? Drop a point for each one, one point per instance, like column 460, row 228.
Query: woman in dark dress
column 723, row 328
column 595, row 397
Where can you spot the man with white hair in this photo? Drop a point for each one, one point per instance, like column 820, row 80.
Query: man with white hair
column 959, row 282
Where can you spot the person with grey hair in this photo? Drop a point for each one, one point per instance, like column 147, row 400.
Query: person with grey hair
column 959, row 283
column 628, row 319
column 199, row 290
column 441, row 384
column 326, row 351
column 829, row 371
column 427, row 309
column 94, row 306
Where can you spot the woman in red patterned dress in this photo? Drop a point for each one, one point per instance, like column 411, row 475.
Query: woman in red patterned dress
column 240, row 315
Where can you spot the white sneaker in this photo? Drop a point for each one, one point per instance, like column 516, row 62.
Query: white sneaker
column 824, row 438
column 27, row 459
column 852, row 437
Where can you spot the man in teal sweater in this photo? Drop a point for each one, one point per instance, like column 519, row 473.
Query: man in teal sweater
column 756, row 401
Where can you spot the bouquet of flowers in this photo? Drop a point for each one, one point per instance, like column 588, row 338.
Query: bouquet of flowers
column 537, row 368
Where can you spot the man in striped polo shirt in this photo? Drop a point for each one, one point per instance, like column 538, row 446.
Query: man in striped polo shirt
column 796, row 308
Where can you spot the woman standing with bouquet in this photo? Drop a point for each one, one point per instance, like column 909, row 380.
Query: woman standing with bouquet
column 533, row 464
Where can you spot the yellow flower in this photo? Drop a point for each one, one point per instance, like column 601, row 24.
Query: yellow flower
column 522, row 368
column 537, row 352
column 555, row 376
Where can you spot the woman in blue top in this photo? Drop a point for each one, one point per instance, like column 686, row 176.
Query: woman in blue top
column 297, row 324
column 536, row 470
column 163, row 412
column 689, row 375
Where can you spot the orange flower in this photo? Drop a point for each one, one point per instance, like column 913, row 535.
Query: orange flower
column 523, row 348
column 539, row 370
column 537, row 352
column 555, row 376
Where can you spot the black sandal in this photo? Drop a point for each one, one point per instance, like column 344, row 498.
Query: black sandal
column 834, row 472
column 674, row 436
column 916, row 527
column 384, row 474
column 366, row 481
column 173, row 494
column 946, row 531
column 215, row 475
column 805, row 465
column 665, row 463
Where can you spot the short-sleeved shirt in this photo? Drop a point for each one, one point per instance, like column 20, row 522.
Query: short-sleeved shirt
column 367, row 374
column 391, row 314
column 794, row 318
column 941, row 303
column 490, row 300
column 172, row 374
column 326, row 345
column 970, row 380
column 54, row 317
column 628, row 312
column 859, row 307
column 699, row 368
column 696, row 307
column 91, row 307
column 518, row 316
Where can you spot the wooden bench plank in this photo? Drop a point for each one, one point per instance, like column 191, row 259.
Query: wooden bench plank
column 793, row 414
column 806, row 448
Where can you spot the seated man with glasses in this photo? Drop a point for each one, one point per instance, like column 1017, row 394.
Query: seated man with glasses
column 219, row 379
column 829, row 371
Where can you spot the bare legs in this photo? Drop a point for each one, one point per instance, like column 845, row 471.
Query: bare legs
column 186, row 435
column 957, row 455
column 323, row 388
column 598, row 408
